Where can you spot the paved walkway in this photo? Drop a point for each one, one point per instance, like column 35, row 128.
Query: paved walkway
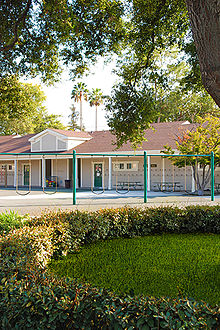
column 37, row 202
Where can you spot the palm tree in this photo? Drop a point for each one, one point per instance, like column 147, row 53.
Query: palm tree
column 96, row 99
column 79, row 93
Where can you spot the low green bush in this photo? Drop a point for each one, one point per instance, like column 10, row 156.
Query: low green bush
column 31, row 297
column 11, row 220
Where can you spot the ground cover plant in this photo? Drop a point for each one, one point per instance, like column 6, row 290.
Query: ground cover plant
column 32, row 297
column 156, row 265
column 11, row 220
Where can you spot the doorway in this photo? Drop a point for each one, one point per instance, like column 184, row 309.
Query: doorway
column 98, row 175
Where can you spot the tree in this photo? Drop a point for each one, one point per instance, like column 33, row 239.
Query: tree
column 96, row 99
column 129, row 113
column 203, row 139
column 80, row 93
column 22, row 108
column 39, row 37
column 73, row 119
column 205, row 23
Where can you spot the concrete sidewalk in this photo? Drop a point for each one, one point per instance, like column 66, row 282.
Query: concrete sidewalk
column 37, row 202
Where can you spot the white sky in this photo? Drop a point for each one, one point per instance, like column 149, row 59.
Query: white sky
column 59, row 96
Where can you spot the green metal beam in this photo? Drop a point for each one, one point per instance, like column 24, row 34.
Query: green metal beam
column 145, row 177
column 212, row 176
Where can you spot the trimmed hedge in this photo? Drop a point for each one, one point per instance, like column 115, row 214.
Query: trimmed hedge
column 31, row 297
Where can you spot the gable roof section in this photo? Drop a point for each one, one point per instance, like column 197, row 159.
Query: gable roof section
column 62, row 133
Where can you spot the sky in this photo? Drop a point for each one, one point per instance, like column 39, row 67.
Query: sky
column 59, row 96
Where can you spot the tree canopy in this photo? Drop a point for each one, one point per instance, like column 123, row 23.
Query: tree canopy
column 201, row 140
column 22, row 108
column 38, row 37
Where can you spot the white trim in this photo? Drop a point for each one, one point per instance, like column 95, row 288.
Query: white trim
column 15, row 172
column 125, row 169
column 43, row 172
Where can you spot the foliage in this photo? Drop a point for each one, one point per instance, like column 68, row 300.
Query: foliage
column 31, row 297
column 96, row 99
column 73, row 118
column 37, row 36
column 22, row 108
column 163, row 87
column 11, row 220
column 156, row 265
column 201, row 140
column 129, row 113
column 79, row 93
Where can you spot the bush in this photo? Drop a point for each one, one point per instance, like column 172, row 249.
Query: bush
column 11, row 220
column 31, row 297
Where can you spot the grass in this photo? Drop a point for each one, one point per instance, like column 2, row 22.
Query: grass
column 159, row 265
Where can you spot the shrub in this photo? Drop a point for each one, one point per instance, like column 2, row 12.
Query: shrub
column 31, row 297
column 11, row 220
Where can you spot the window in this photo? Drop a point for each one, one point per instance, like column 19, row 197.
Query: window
column 153, row 165
column 10, row 167
column 125, row 166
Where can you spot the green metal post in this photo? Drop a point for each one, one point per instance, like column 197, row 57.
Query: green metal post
column 145, row 177
column 74, row 177
column 212, row 176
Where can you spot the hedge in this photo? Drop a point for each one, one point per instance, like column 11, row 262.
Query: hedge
column 31, row 297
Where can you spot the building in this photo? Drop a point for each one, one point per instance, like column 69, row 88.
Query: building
column 30, row 167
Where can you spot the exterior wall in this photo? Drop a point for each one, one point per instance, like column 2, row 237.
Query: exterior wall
column 131, row 176
column 60, row 170
column 6, row 175
column 48, row 142
column 183, row 176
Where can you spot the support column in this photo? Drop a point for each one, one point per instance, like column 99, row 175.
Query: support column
column 148, row 172
column 67, row 169
column 39, row 174
column 15, row 172
column 193, row 182
column 163, row 169
column 43, row 164
column 109, row 173
column 52, row 171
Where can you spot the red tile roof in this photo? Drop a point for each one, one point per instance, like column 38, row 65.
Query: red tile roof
column 76, row 134
column 163, row 133
column 103, row 141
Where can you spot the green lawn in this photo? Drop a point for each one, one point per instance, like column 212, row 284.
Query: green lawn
column 159, row 265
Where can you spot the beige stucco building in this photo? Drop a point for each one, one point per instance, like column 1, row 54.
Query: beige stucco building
column 45, row 159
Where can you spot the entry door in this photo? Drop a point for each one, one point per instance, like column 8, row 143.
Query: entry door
column 26, row 175
column 98, row 175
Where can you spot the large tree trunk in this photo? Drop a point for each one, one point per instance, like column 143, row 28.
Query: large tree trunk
column 205, row 23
